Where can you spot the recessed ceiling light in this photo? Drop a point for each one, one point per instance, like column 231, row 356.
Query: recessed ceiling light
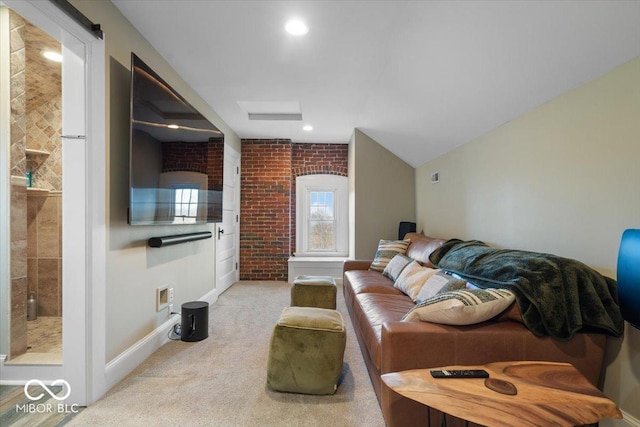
column 52, row 56
column 307, row 128
column 296, row 27
column 173, row 127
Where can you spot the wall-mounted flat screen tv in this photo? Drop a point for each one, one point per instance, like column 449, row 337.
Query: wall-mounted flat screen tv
column 177, row 155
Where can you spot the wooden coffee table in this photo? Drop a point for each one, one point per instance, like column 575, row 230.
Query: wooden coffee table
column 548, row 393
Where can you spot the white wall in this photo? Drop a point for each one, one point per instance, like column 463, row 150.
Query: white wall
column 563, row 178
column 133, row 269
column 381, row 192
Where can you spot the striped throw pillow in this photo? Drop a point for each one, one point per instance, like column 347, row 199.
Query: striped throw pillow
column 413, row 278
column 462, row 307
column 395, row 266
column 387, row 249
column 439, row 283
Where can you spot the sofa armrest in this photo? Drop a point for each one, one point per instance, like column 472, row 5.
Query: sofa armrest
column 356, row 264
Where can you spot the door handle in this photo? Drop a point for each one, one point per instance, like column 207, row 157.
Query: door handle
column 220, row 231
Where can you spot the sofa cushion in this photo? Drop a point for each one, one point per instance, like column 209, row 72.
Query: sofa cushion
column 462, row 307
column 367, row 281
column 437, row 283
column 371, row 311
column 387, row 249
column 395, row 266
column 412, row 278
column 421, row 247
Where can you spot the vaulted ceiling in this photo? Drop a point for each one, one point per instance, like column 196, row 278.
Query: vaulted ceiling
column 419, row 77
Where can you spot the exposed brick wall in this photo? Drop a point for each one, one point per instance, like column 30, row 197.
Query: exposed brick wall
column 267, row 205
column 264, row 209
column 311, row 159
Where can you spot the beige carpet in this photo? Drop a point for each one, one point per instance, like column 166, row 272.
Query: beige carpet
column 220, row 381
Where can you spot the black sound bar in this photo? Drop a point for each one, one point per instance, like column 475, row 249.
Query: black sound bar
column 159, row 242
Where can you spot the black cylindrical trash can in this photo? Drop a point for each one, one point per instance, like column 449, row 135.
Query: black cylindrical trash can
column 195, row 321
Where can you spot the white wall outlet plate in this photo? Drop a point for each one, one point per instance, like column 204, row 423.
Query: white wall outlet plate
column 162, row 297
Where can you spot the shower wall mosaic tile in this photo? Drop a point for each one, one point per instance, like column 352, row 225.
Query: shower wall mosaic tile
column 44, row 262
column 43, row 81
column 18, row 190
column 36, row 218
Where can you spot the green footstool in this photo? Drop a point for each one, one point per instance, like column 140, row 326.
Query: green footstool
column 307, row 350
column 314, row 291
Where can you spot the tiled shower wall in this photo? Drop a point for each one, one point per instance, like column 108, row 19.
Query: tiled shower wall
column 44, row 210
column 35, row 216
column 44, row 251
column 18, row 189
column 44, row 127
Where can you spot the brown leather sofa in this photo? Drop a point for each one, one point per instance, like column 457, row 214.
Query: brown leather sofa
column 390, row 345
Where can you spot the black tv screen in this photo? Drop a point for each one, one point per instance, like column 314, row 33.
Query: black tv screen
column 177, row 156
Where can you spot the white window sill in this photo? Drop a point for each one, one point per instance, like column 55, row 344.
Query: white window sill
column 316, row 266
column 318, row 257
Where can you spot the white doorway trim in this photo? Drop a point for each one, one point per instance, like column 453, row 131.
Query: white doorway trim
column 5, row 183
column 228, row 232
column 84, row 296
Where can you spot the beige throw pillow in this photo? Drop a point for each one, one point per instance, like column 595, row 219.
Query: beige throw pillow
column 462, row 307
column 412, row 278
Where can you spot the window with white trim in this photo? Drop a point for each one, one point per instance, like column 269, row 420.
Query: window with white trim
column 322, row 216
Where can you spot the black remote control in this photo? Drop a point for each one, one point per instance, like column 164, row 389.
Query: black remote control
column 459, row 373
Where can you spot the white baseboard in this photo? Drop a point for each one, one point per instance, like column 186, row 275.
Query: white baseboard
column 626, row 421
column 630, row 420
column 211, row 296
column 129, row 359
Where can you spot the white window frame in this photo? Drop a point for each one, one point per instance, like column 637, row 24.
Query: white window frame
column 336, row 184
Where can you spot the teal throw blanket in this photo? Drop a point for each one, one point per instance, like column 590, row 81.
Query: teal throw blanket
column 556, row 296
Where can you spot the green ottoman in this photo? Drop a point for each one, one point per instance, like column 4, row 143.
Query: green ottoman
column 307, row 348
column 314, row 291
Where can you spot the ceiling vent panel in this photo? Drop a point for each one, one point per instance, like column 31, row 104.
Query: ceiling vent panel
column 275, row 116
column 272, row 110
